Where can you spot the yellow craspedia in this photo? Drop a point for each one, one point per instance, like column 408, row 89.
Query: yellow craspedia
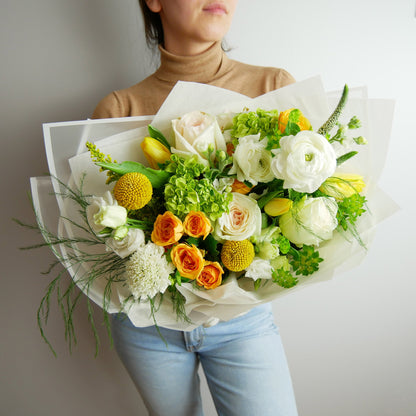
column 133, row 190
column 237, row 255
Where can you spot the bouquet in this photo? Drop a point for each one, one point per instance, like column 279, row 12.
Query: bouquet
column 207, row 213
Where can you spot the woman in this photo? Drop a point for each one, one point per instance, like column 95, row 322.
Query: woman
column 243, row 359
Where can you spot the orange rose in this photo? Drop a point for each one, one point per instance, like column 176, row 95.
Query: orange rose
column 188, row 260
column 196, row 224
column 211, row 275
column 167, row 230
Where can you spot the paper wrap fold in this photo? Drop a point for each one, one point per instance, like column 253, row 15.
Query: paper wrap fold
column 68, row 161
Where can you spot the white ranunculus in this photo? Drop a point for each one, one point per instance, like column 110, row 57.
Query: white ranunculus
column 310, row 221
column 304, row 161
column 241, row 222
column 194, row 132
column 129, row 244
column 252, row 161
column 94, row 205
column 259, row 269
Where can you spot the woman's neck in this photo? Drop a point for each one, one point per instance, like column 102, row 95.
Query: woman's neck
column 196, row 68
column 187, row 48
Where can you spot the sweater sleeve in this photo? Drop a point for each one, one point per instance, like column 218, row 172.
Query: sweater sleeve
column 109, row 107
column 283, row 79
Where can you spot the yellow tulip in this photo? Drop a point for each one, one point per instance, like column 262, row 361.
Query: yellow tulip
column 342, row 185
column 278, row 206
column 154, row 151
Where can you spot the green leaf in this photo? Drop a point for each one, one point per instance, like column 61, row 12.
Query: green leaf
column 156, row 177
column 345, row 157
column 257, row 284
column 210, row 244
column 158, row 135
column 268, row 197
column 193, row 241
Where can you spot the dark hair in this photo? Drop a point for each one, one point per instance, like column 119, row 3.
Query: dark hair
column 153, row 28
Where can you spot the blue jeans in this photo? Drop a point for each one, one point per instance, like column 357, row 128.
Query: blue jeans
column 243, row 361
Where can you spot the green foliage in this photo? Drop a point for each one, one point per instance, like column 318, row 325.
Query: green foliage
column 75, row 256
column 210, row 244
column 284, row 278
column 349, row 209
column 305, row 261
column 274, row 189
column 284, row 244
column 158, row 135
column 292, row 126
column 156, row 177
column 343, row 158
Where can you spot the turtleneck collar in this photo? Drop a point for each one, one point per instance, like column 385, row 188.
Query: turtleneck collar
column 203, row 68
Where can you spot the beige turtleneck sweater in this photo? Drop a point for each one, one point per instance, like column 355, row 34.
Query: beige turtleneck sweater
column 212, row 67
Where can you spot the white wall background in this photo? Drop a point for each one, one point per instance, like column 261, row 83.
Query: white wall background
column 351, row 342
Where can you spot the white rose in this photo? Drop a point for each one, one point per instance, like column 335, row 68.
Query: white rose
column 259, row 269
column 194, row 132
column 129, row 244
column 304, row 161
column 94, row 205
column 252, row 161
column 310, row 221
column 241, row 222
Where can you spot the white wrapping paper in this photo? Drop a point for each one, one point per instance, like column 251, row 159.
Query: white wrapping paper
column 68, row 160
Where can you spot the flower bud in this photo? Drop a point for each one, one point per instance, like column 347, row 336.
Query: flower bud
column 360, row 140
column 278, row 206
column 342, row 186
column 155, row 152
column 120, row 232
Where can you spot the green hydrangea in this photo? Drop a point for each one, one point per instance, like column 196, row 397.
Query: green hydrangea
column 254, row 122
column 188, row 190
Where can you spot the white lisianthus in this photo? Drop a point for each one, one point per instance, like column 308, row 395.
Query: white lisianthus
column 259, row 269
column 241, row 222
column 112, row 216
column 310, row 221
column 147, row 271
column 304, row 161
column 194, row 132
column 95, row 204
column 129, row 244
column 252, row 161
column 265, row 244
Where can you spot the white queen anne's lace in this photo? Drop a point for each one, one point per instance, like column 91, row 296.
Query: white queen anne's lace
column 147, row 271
